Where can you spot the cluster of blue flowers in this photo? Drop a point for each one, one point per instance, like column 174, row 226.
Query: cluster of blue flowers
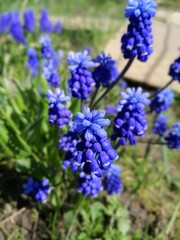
column 89, row 184
column 81, row 82
column 174, row 70
column 112, row 183
column 33, row 62
column 39, row 190
column 138, row 41
column 162, row 101
column 11, row 23
column 130, row 120
column 51, row 62
column 58, row 113
column 173, row 137
column 160, row 127
column 95, row 153
column 106, row 71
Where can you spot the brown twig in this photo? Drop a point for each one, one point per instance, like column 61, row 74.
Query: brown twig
column 12, row 216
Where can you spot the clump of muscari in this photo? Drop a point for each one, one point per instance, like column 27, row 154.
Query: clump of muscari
column 68, row 143
column 138, row 41
column 58, row 113
column 39, row 190
column 51, row 62
column 160, row 127
column 174, row 70
column 16, row 29
column 33, row 62
column 112, row 182
column 106, row 71
column 130, row 121
column 173, row 137
column 45, row 23
column 81, row 81
column 162, row 101
column 29, row 20
column 95, row 153
column 89, row 184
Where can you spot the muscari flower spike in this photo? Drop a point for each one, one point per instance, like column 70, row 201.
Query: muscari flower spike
column 89, row 184
column 160, row 127
column 46, row 47
column 45, row 23
column 130, row 120
column 58, row 27
column 58, row 113
column 16, row 30
column 49, row 71
column 81, row 81
column 173, row 137
column 106, row 71
column 138, row 40
column 89, row 123
column 4, row 22
column 39, row 190
column 68, row 143
column 174, row 70
column 112, row 183
column 29, row 20
column 33, row 62
column 95, row 153
column 162, row 101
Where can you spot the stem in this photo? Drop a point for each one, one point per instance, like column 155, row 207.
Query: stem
column 82, row 105
column 161, row 89
column 114, row 83
column 93, row 97
column 174, row 216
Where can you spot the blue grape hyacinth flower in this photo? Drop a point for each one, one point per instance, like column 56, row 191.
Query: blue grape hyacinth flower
column 106, row 72
column 33, row 62
column 160, row 127
column 39, row 190
column 112, row 183
column 79, row 60
column 45, row 23
column 89, row 123
column 68, row 143
column 29, row 20
column 58, row 113
column 49, row 71
column 174, row 70
column 173, row 137
column 138, row 41
column 16, row 30
column 81, row 81
column 4, row 22
column 130, row 121
column 46, row 47
column 89, row 184
column 58, row 27
column 162, row 101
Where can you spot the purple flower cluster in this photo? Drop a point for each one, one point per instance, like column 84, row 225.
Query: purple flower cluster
column 51, row 62
column 33, row 62
column 106, row 71
column 130, row 120
column 95, row 153
column 68, row 143
column 162, row 101
column 174, row 70
column 112, row 183
column 160, row 127
column 45, row 23
column 81, row 81
column 39, row 190
column 16, row 29
column 138, row 40
column 29, row 20
column 58, row 113
column 173, row 137
column 89, row 184
column 4, row 22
